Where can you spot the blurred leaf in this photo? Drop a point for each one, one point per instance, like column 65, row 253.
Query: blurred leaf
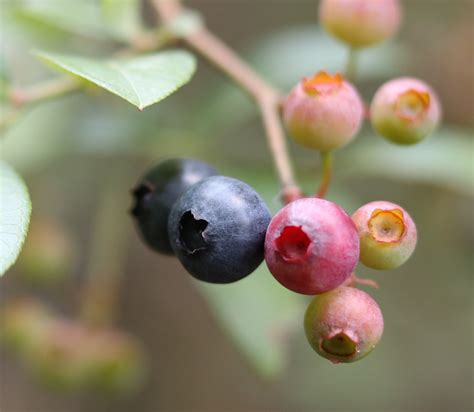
column 142, row 81
column 77, row 17
column 289, row 54
column 15, row 209
column 445, row 159
column 259, row 315
column 122, row 17
column 4, row 79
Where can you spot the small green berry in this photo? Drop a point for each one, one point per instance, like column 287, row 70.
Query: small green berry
column 387, row 234
column 405, row 111
column 343, row 325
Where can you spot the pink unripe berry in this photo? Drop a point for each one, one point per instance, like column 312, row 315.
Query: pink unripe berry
column 360, row 23
column 311, row 246
column 405, row 110
column 323, row 112
column 387, row 234
column 343, row 325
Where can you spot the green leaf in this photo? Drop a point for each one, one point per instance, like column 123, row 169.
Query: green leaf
column 4, row 80
column 142, row 81
column 15, row 210
column 122, row 17
column 259, row 315
column 80, row 17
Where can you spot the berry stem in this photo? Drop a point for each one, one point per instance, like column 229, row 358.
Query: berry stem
column 267, row 98
column 326, row 173
column 355, row 280
column 351, row 64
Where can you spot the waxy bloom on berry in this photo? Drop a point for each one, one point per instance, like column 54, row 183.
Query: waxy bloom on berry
column 387, row 234
column 405, row 110
column 343, row 325
column 311, row 246
column 360, row 23
column 323, row 112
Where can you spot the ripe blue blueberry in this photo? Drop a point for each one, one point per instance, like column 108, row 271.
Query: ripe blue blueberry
column 217, row 229
column 156, row 194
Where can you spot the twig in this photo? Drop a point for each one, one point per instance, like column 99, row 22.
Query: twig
column 42, row 91
column 107, row 247
column 267, row 98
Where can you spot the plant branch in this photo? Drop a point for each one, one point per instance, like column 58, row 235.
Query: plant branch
column 267, row 98
column 106, row 255
column 326, row 174
column 43, row 91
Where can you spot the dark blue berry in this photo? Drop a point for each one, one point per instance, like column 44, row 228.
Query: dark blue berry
column 156, row 194
column 217, row 229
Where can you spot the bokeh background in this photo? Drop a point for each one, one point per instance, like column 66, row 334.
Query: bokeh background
column 241, row 347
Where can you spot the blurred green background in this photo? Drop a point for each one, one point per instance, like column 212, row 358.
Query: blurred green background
column 241, row 347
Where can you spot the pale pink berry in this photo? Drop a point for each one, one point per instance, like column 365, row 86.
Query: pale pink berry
column 311, row 246
column 387, row 234
column 343, row 325
column 405, row 110
column 323, row 112
column 360, row 23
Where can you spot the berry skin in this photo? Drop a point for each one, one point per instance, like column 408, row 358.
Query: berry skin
column 323, row 112
column 387, row 234
column 156, row 194
column 405, row 111
column 343, row 325
column 360, row 23
column 311, row 246
column 217, row 229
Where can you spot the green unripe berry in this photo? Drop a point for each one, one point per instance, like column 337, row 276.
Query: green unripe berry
column 343, row 325
column 405, row 111
column 387, row 234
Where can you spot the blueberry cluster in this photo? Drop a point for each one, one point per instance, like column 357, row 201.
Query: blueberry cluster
column 215, row 225
column 221, row 230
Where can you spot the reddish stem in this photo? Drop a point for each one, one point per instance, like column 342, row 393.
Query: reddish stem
column 355, row 280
